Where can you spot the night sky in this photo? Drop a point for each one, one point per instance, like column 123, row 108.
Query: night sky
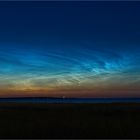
column 71, row 49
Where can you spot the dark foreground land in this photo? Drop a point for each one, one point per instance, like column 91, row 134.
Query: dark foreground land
column 42, row 120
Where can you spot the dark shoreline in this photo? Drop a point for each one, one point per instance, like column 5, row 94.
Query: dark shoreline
column 126, row 106
column 47, row 120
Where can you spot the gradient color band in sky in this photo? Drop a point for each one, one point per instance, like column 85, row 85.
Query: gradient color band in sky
column 72, row 49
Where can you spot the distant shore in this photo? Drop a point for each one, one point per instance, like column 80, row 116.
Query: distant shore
column 69, row 100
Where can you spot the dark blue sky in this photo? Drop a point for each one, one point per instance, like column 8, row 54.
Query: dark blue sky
column 70, row 45
column 113, row 22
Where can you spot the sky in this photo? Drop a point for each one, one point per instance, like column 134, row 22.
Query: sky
column 69, row 48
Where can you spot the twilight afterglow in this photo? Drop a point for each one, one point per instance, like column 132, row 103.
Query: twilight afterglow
column 71, row 49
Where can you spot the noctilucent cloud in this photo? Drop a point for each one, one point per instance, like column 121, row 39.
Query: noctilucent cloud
column 71, row 49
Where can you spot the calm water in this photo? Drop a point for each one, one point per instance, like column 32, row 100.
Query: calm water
column 72, row 100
